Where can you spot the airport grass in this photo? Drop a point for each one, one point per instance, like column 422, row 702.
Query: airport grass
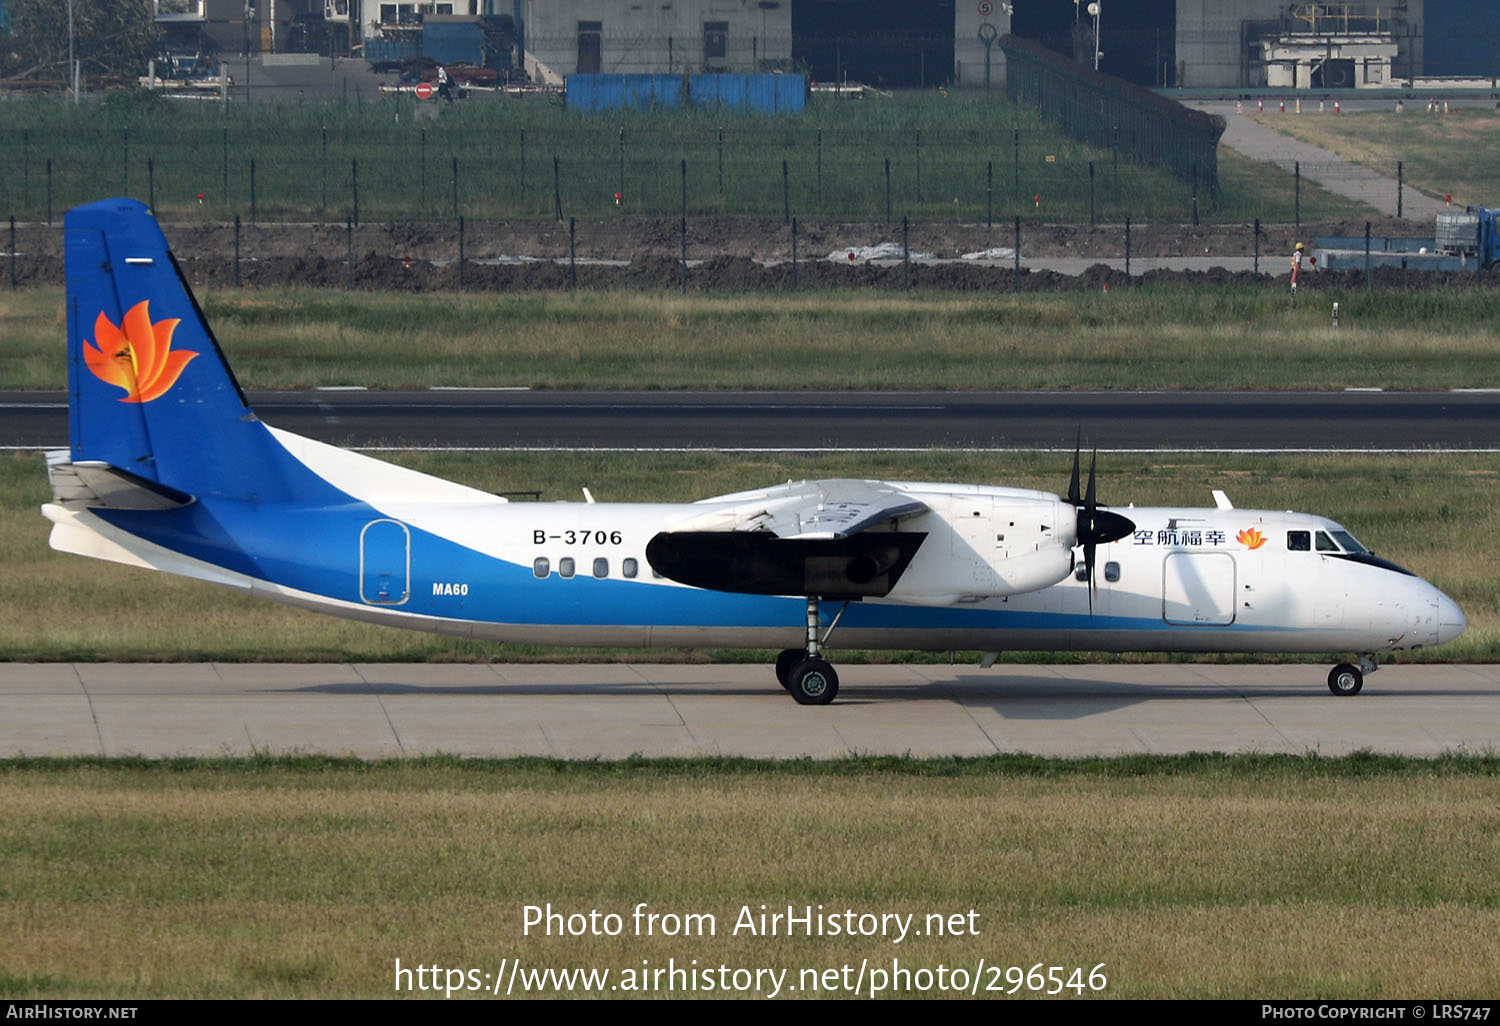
column 1437, row 151
column 1151, row 337
column 1199, row 876
column 927, row 155
column 1437, row 514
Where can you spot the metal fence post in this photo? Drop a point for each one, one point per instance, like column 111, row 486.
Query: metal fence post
column 462, row 255
column 1367, row 256
column 573, row 252
column 424, row 172
column 349, row 236
column 236, row 250
column 1297, row 190
column 1400, row 177
column 49, row 190
column 794, row 248
column 1017, row 137
column 354, row 186
column 786, row 194
column 455, row 186
column 1127, row 246
column 323, row 209
column 12, row 252
column 557, row 186
column 721, row 161
column 1257, row 246
column 1091, row 195
column 523, row 162
column 253, row 217
column 622, row 165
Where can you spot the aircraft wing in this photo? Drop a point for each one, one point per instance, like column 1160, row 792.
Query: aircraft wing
column 801, row 538
column 834, row 508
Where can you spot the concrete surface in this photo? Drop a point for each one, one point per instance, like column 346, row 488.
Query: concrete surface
column 616, row 710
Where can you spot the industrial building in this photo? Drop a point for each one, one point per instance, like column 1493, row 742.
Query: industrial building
column 1236, row 44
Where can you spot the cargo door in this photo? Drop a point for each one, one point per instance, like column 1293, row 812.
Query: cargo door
column 385, row 563
column 1198, row 589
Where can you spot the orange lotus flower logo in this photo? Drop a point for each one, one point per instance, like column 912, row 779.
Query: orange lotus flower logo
column 1250, row 538
column 137, row 355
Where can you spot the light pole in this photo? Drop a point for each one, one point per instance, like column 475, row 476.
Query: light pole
column 1094, row 10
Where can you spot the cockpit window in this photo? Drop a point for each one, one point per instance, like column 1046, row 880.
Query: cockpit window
column 1349, row 542
column 1325, row 543
column 1298, row 541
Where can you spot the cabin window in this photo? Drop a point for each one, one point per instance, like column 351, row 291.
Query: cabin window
column 1325, row 543
column 565, row 566
column 1081, row 572
column 1111, row 571
column 542, row 567
column 1299, row 541
column 601, row 567
column 629, row 567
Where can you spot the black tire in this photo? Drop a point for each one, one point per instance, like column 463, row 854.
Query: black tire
column 785, row 662
column 813, row 682
column 1345, row 680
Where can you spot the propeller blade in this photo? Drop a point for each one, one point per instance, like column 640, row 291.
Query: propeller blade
column 1094, row 526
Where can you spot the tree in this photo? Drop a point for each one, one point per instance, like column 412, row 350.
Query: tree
column 110, row 37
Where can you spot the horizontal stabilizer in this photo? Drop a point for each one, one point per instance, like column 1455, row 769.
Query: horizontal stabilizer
column 92, row 484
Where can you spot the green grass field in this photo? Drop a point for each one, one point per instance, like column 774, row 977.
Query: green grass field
column 1436, row 515
column 951, row 156
column 1243, row 877
column 1437, row 151
column 1150, row 337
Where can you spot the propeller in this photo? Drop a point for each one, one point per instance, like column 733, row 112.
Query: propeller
column 1095, row 526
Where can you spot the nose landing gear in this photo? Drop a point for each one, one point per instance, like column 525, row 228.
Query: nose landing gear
column 1346, row 679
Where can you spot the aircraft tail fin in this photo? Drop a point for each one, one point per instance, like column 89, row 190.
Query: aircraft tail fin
column 150, row 391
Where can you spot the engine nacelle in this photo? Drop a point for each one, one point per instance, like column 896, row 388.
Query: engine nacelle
column 989, row 545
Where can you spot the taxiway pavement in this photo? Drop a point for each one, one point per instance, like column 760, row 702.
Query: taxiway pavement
column 616, row 710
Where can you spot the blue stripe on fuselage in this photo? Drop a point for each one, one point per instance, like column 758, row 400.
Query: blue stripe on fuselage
column 316, row 549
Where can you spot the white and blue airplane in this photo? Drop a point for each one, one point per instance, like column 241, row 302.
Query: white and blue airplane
column 169, row 468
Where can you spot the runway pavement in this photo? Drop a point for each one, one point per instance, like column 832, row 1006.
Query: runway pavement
column 616, row 710
column 1112, row 421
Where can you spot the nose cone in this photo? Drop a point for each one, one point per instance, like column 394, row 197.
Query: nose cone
column 1451, row 621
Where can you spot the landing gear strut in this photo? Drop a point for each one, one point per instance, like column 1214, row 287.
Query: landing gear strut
column 806, row 675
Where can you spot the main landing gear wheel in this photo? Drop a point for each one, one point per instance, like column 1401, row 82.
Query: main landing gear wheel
column 1344, row 679
column 785, row 663
column 813, row 682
